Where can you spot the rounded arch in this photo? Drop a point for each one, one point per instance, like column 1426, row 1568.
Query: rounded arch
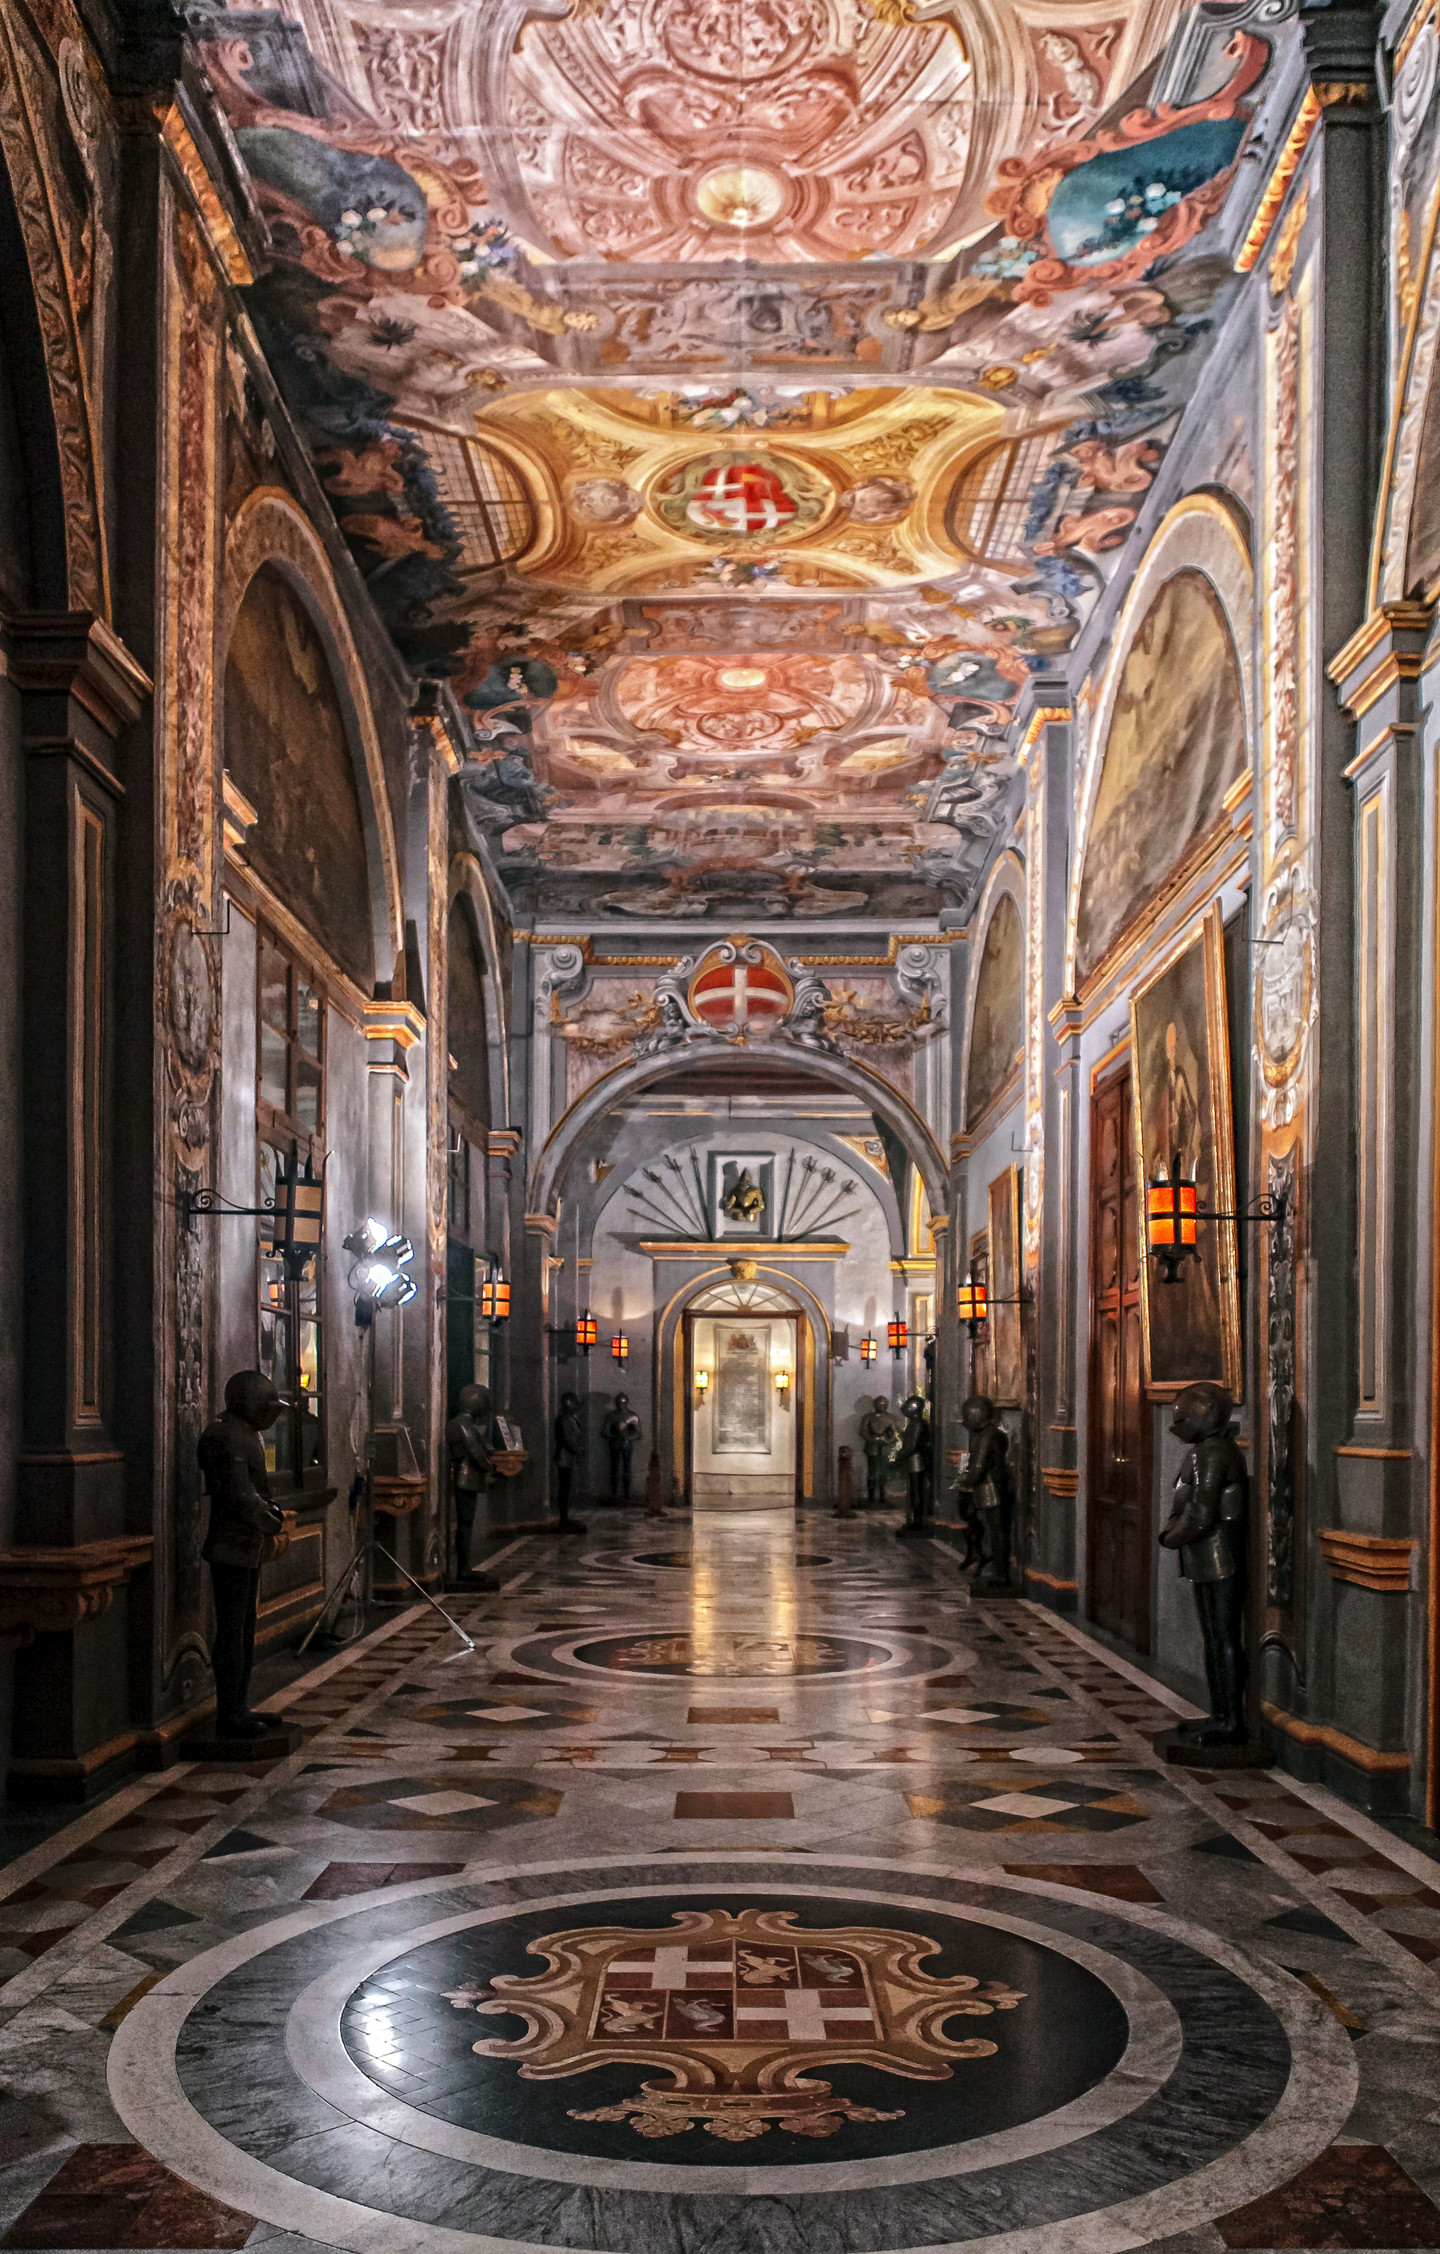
column 1201, row 536
column 271, row 533
column 32, row 156
column 566, row 1137
column 1006, row 883
column 466, row 881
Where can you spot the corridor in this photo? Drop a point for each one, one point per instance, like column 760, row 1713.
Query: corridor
column 749, row 1889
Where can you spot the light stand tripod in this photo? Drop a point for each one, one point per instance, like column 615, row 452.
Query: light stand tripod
column 363, row 1559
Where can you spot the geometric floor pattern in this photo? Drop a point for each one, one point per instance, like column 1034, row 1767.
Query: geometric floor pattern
column 898, row 1937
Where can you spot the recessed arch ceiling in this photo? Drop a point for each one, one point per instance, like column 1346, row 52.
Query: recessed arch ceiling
column 645, row 346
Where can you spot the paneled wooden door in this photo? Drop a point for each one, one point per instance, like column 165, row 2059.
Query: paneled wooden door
column 1119, row 1530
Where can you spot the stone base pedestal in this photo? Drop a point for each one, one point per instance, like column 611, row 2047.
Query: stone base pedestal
column 275, row 1745
column 998, row 1594
column 1188, row 1753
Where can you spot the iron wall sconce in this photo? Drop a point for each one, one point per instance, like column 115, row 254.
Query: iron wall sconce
column 296, row 1215
column 899, row 1336
column 620, row 1348
column 702, row 1387
column 1173, row 1215
column 494, row 1295
column 587, row 1330
column 869, row 1348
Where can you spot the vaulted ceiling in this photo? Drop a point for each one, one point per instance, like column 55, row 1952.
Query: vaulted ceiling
column 737, row 400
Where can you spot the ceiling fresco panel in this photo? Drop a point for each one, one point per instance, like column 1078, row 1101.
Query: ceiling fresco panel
column 737, row 401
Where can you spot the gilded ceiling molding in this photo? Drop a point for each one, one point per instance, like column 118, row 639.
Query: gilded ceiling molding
column 1040, row 718
column 1414, row 374
column 1198, row 534
column 30, row 160
column 225, row 244
column 271, row 528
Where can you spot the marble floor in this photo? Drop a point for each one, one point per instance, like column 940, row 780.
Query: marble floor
column 748, row 1890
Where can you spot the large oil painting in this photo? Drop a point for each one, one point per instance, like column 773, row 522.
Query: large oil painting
column 997, row 1030
column 1176, row 744
column 1007, row 1360
column 1180, row 1045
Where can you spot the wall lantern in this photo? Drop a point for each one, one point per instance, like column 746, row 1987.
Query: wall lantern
column 296, row 1218
column 587, row 1330
column 494, row 1295
column 898, row 1334
column 869, row 1348
column 972, row 1304
column 782, row 1384
column 620, row 1348
column 1173, row 1215
column 702, row 1384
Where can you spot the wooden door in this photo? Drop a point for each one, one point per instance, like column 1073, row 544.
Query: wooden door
column 1120, row 1419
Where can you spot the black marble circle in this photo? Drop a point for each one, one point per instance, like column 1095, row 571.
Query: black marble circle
column 683, row 1560
column 1065, row 2036
column 729, row 1655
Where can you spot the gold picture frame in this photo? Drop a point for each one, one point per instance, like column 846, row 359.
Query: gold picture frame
column 1180, row 1077
column 1007, row 1353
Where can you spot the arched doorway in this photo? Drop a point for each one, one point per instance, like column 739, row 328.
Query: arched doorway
column 748, row 1358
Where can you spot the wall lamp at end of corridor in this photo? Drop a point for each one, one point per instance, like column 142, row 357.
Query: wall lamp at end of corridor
column 1173, row 1215
column 782, row 1386
column 702, row 1384
column 620, row 1348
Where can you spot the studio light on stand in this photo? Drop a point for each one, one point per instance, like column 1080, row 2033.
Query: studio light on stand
column 379, row 1260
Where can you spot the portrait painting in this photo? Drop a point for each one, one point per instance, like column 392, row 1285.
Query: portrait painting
column 1175, row 746
column 1007, row 1362
column 997, row 1028
column 1181, row 1080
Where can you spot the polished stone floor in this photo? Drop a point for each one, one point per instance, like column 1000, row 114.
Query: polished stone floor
column 748, row 1890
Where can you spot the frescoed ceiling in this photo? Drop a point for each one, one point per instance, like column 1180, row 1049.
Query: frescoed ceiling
column 737, row 401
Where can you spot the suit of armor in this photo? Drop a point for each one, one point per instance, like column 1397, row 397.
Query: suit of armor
column 1207, row 1526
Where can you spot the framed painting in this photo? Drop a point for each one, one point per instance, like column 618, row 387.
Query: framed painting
column 1007, row 1363
column 1180, row 1044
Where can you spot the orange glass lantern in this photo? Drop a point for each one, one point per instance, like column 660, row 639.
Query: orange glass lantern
column 495, row 1298
column 620, row 1347
column 869, row 1348
column 587, row 1330
column 1172, row 1220
column 972, row 1304
column 899, row 1334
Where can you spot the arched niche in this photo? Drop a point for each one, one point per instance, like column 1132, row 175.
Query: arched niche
column 467, row 1030
column 32, row 501
column 1175, row 744
column 996, row 1045
column 466, row 883
column 286, row 750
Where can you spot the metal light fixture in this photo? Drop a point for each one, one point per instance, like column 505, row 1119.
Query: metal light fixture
column 782, row 1383
column 899, row 1335
column 972, row 1304
column 587, row 1330
column 296, row 1218
column 869, row 1348
column 620, row 1347
column 702, row 1384
column 494, row 1295
column 1173, row 1215
column 377, row 1276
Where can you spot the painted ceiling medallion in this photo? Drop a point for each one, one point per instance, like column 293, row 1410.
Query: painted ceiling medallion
column 741, row 195
column 729, row 497
column 737, row 2012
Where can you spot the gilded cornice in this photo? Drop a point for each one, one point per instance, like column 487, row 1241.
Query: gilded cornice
column 1361, row 684
column 219, row 228
column 1277, row 187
